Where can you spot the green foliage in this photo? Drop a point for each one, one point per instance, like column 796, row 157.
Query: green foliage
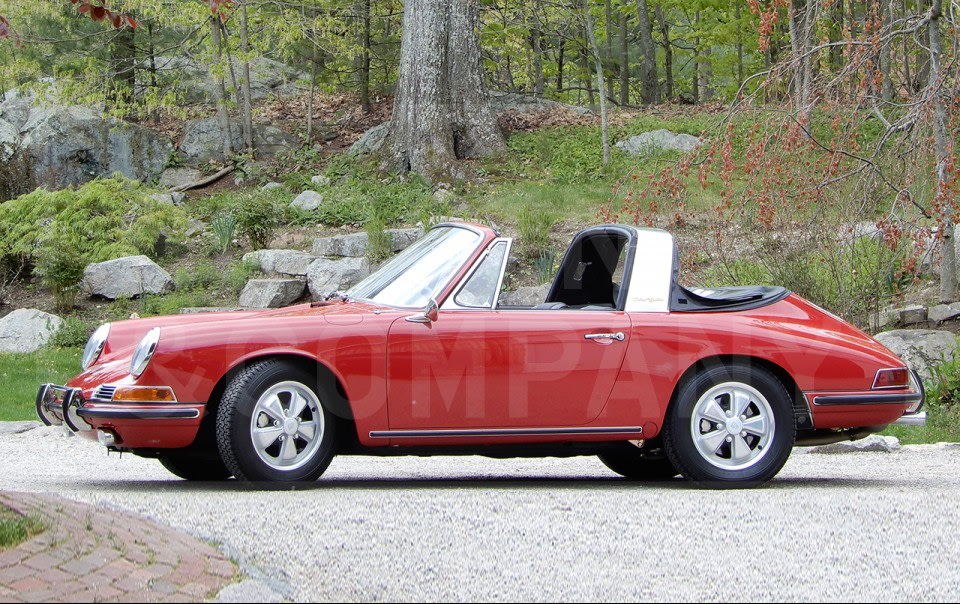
column 60, row 263
column 22, row 374
column 851, row 278
column 381, row 245
column 258, row 215
column 942, row 407
column 534, row 225
column 200, row 277
column 546, row 266
column 105, row 218
column 238, row 274
column 224, row 225
column 73, row 333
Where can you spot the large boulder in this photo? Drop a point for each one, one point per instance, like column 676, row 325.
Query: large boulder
column 922, row 349
column 9, row 140
column 307, row 201
column 523, row 103
column 16, row 109
column 126, row 277
column 282, row 262
column 271, row 293
column 371, row 141
column 73, row 145
column 658, row 140
column 326, row 276
column 173, row 178
column 356, row 245
column 525, row 296
column 27, row 329
column 202, row 141
column 267, row 78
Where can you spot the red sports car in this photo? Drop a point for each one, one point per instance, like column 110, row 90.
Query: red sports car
column 421, row 358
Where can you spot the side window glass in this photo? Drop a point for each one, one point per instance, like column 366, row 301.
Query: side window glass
column 481, row 289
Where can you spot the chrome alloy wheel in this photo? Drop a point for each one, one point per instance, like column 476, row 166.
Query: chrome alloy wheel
column 287, row 425
column 732, row 426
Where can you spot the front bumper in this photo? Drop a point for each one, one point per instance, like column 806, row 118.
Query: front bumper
column 129, row 425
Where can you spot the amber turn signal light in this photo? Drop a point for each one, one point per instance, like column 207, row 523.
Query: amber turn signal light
column 144, row 394
column 892, row 378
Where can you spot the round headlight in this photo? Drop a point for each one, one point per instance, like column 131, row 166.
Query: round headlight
column 144, row 352
column 91, row 352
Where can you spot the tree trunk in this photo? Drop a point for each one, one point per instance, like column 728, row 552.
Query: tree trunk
column 536, row 42
column 886, row 87
column 624, row 62
column 363, row 59
column 442, row 112
column 219, row 88
column 649, row 84
column 608, row 47
column 124, row 58
column 737, row 16
column 696, row 63
column 667, row 51
column 592, row 40
column 923, row 59
column 560, row 65
column 942, row 151
column 247, row 116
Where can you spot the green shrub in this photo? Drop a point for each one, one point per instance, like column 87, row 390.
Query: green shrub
column 546, row 266
column 73, row 333
column 238, row 274
column 203, row 276
column 224, row 225
column 380, row 245
column 103, row 219
column 535, row 225
column 258, row 215
column 60, row 263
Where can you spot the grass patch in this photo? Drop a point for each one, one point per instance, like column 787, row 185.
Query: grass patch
column 943, row 425
column 22, row 374
column 15, row 529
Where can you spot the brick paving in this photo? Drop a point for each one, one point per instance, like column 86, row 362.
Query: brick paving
column 96, row 554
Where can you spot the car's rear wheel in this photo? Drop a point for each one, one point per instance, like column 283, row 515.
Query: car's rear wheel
column 639, row 465
column 272, row 425
column 195, row 467
column 730, row 426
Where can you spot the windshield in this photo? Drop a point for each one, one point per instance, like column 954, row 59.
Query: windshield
column 418, row 273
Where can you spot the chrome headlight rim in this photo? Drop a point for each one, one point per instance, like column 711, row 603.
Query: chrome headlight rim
column 94, row 346
column 144, row 352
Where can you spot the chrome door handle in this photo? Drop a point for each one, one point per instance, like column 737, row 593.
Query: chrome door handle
column 605, row 336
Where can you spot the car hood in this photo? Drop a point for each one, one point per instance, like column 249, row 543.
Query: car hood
column 125, row 335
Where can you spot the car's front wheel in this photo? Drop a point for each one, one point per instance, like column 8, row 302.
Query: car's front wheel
column 272, row 425
column 730, row 426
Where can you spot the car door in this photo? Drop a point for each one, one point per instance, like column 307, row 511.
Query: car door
column 476, row 367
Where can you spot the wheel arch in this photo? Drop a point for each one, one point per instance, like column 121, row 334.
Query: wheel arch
column 325, row 376
column 801, row 410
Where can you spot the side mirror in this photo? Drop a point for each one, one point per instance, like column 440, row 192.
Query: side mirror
column 430, row 314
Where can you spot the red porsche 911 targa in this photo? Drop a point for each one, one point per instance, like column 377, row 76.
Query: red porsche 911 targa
column 421, row 358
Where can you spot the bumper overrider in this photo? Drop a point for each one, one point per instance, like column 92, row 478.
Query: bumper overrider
column 131, row 424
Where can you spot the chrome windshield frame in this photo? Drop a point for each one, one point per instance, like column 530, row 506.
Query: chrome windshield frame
column 446, row 284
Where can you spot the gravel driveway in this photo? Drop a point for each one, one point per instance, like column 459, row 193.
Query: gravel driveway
column 864, row 527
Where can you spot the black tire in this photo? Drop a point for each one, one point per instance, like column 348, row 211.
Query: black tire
column 725, row 468
column 195, row 467
column 235, row 425
column 639, row 465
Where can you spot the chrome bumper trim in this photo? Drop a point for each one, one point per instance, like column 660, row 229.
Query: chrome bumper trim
column 867, row 399
column 914, row 419
column 138, row 413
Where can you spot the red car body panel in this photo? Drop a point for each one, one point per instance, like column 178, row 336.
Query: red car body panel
column 489, row 369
